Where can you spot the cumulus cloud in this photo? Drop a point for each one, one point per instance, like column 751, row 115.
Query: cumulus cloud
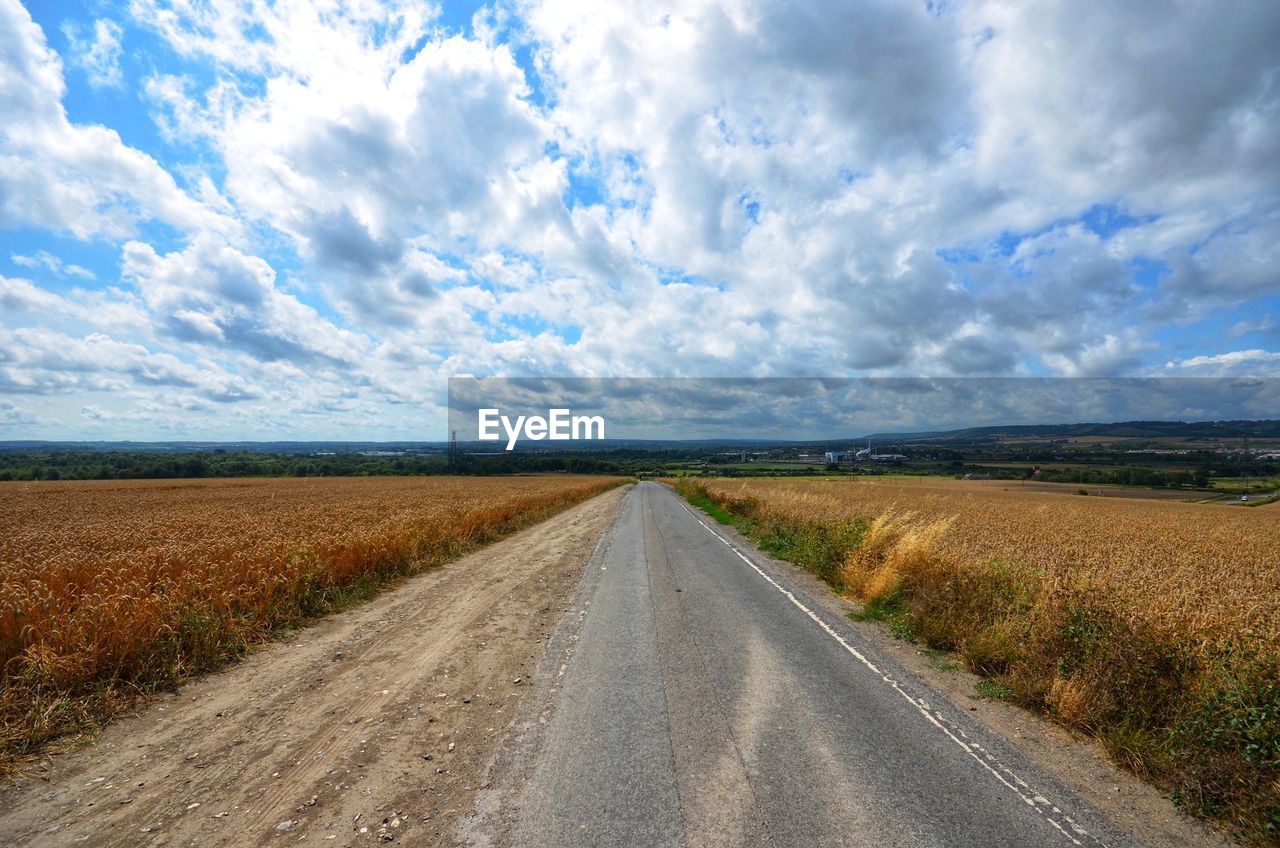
column 1160, row 103
column 212, row 293
column 23, row 300
column 807, row 163
column 69, row 177
column 351, row 201
column 777, row 168
column 354, row 167
column 40, row 361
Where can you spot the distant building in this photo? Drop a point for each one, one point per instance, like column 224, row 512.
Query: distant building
column 839, row 456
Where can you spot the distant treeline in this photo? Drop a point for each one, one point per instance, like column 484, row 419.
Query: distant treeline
column 1138, row 476
column 146, row 465
column 1096, row 467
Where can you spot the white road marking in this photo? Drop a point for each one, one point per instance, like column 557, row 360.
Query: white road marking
column 997, row 769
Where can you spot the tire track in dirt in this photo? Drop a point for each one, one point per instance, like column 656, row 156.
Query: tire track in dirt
column 326, row 735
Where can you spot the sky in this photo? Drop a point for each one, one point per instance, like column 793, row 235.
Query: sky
column 296, row 220
column 835, row 409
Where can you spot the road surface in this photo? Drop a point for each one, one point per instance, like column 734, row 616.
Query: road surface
column 708, row 701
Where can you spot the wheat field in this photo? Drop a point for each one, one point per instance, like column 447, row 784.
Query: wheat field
column 1197, row 567
column 109, row 588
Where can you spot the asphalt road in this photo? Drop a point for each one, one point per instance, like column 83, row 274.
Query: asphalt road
column 709, row 699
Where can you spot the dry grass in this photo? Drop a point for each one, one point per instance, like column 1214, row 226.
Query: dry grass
column 109, row 589
column 1153, row 625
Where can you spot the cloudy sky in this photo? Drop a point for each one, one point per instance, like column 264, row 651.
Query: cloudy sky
column 298, row 219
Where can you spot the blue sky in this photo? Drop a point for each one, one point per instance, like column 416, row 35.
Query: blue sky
column 257, row 220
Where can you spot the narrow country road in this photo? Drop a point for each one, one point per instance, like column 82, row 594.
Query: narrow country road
column 707, row 701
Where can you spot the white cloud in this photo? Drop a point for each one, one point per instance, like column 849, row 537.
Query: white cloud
column 104, row 310
column 210, row 293
column 45, row 259
column 68, row 177
column 24, row 295
column 1266, row 324
column 1165, row 105
column 42, row 361
column 14, row 417
column 98, row 56
column 352, row 166
column 316, row 39
column 1114, row 354
column 1251, row 362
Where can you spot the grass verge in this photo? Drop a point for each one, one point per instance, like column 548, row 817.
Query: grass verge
column 1196, row 716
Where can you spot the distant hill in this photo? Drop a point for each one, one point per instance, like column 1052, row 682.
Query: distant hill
column 35, row 445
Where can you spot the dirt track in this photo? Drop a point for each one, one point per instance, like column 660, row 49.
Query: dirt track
column 325, row 737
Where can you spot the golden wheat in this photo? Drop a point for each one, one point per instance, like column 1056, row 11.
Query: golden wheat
column 1197, row 567
column 109, row 587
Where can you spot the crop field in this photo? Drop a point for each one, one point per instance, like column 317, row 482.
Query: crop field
column 945, row 485
column 1194, row 567
column 110, row 589
column 1100, row 490
column 1152, row 625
